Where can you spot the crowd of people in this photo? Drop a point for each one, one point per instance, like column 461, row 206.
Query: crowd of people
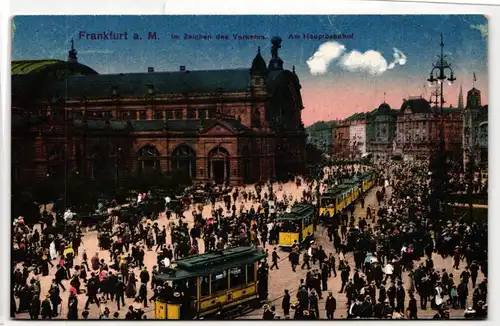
column 398, row 238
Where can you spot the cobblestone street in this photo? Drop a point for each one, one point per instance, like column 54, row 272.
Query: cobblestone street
column 281, row 279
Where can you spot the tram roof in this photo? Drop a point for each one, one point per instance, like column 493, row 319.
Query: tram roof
column 210, row 262
column 297, row 212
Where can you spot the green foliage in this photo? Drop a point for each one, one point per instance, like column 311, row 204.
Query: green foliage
column 313, row 154
column 48, row 190
column 153, row 179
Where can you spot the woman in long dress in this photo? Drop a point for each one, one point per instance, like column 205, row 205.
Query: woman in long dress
column 52, row 250
column 131, row 291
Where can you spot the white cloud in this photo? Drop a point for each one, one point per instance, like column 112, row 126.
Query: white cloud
column 326, row 53
column 399, row 58
column 371, row 61
column 482, row 28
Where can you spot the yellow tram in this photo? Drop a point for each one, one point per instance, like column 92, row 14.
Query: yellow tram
column 202, row 285
column 337, row 199
column 296, row 225
column 368, row 181
column 327, row 202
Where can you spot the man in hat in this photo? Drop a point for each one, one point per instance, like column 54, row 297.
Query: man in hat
column 330, row 306
column 285, row 304
column 412, row 307
column 305, row 260
column 313, row 304
column 267, row 315
column 275, row 258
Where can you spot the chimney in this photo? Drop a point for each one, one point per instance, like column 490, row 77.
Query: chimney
column 182, row 68
column 151, row 69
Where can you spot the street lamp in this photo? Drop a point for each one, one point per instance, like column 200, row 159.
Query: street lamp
column 438, row 75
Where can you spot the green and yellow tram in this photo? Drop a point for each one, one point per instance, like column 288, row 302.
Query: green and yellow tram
column 336, row 199
column 297, row 225
column 203, row 285
column 368, row 181
column 327, row 202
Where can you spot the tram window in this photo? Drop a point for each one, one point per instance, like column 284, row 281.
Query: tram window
column 191, row 286
column 290, row 226
column 326, row 201
column 219, row 282
column 251, row 273
column 237, row 276
column 205, row 287
column 307, row 221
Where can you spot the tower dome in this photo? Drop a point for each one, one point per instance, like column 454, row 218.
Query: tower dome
column 384, row 108
column 473, row 98
column 258, row 63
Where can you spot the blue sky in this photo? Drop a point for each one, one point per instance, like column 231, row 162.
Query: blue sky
column 416, row 36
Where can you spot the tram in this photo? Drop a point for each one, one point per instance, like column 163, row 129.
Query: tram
column 204, row 285
column 297, row 225
column 327, row 202
column 368, row 181
column 336, row 199
column 484, row 176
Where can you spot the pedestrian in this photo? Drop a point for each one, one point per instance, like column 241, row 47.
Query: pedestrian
column 330, row 306
column 274, row 258
column 285, row 304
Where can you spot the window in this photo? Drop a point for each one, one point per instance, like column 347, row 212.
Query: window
column 256, row 117
column 237, row 276
column 219, row 281
column 178, row 115
column 142, row 115
column 202, row 114
column 159, row 115
column 204, row 285
column 250, row 273
column 78, row 114
column 191, row 113
column 125, row 114
column 108, row 114
column 211, row 113
column 169, row 115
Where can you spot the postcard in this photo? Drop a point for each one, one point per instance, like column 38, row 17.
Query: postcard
column 249, row 167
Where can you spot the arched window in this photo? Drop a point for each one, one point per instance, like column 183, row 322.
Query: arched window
column 483, row 134
column 218, row 165
column 184, row 160
column 148, row 158
column 55, row 160
column 97, row 162
column 256, row 117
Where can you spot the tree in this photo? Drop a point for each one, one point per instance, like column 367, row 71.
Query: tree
column 81, row 192
column 47, row 191
column 313, row 154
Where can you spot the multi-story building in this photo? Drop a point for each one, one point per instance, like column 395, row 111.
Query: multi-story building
column 320, row 134
column 340, row 141
column 381, row 131
column 475, row 130
column 357, row 134
column 418, row 129
column 229, row 126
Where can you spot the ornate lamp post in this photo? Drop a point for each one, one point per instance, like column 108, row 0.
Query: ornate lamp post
column 438, row 75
